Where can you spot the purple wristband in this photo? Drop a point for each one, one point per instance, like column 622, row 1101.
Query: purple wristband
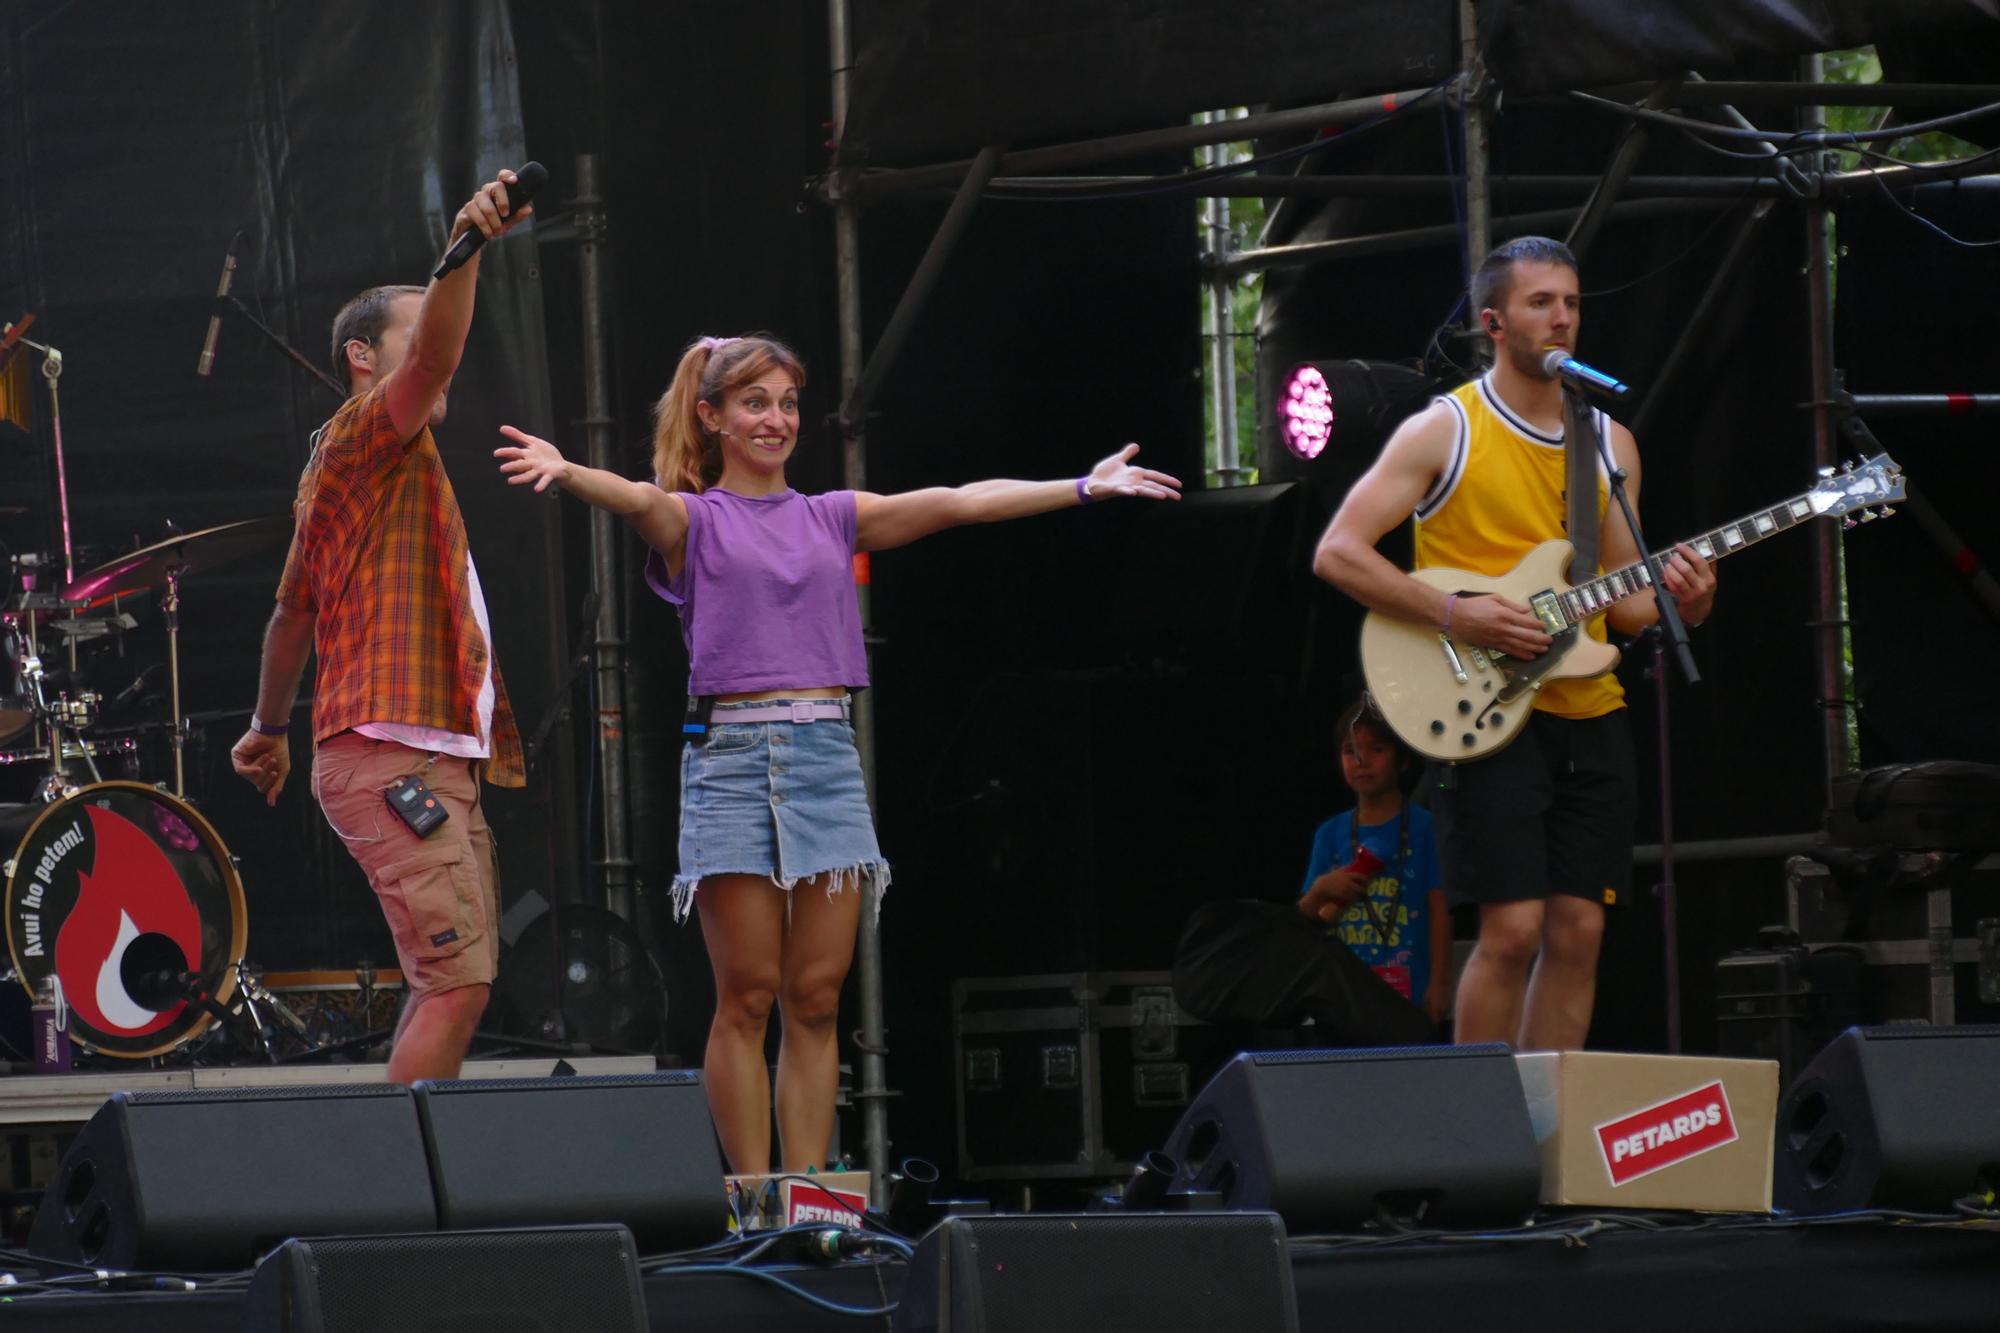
column 1082, row 491
column 1449, row 602
column 263, row 728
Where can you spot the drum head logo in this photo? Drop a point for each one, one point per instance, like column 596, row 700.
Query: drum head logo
column 116, row 894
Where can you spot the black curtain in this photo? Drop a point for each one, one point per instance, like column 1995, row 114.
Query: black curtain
column 338, row 142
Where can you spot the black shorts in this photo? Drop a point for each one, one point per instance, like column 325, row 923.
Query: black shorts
column 1552, row 813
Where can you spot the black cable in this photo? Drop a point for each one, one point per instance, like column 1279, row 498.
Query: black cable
column 1912, row 213
column 792, row 1289
column 1890, row 160
column 1805, row 139
column 1721, row 216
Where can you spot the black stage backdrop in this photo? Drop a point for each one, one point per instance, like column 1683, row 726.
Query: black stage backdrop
column 938, row 79
column 1088, row 722
column 339, row 142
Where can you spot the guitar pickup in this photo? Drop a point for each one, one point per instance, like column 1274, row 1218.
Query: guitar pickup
column 1451, row 656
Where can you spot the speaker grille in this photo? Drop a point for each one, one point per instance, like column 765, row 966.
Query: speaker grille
column 556, row 1280
column 1105, row 1273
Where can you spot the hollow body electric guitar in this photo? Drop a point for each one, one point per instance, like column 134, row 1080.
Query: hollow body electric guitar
column 1453, row 702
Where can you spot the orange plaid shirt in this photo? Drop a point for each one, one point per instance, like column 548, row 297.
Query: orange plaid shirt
column 379, row 556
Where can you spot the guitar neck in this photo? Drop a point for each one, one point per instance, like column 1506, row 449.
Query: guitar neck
column 1589, row 598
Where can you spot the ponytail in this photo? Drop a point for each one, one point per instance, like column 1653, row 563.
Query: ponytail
column 686, row 456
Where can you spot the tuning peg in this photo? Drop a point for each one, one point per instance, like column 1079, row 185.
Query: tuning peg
column 1867, row 514
column 1825, row 471
column 1886, row 511
column 1848, row 466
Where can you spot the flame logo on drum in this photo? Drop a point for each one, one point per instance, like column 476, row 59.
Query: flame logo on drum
column 130, row 890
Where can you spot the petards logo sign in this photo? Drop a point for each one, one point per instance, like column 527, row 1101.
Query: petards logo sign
column 1667, row 1133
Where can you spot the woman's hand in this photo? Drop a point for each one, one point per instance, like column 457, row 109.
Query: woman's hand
column 1116, row 476
column 533, row 459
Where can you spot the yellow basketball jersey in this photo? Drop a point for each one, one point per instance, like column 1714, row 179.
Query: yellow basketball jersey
column 1501, row 496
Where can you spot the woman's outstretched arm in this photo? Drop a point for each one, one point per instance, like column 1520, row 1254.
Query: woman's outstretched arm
column 657, row 516
column 885, row 521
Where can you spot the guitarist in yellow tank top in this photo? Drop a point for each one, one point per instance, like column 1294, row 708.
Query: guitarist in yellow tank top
column 1537, row 835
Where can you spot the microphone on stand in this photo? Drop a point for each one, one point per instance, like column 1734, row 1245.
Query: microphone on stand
column 155, row 972
column 530, row 178
column 1557, row 363
column 207, row 361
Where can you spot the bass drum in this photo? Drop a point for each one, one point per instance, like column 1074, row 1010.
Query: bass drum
column 129, row 898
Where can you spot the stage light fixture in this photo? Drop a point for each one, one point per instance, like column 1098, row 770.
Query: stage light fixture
column 1305, row 411
column 1353, row 401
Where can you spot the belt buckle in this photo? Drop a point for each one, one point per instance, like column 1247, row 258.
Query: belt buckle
column 802, row 711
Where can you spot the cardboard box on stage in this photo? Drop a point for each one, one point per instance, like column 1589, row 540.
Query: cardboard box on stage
column 1652, row 1131
column 831, row 1198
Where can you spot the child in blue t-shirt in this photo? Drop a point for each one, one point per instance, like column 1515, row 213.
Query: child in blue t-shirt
column 1374, row 873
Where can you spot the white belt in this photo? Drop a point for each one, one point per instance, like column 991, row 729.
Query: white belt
column 797, row 710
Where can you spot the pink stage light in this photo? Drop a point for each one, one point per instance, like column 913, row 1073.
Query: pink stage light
column 1305, row 411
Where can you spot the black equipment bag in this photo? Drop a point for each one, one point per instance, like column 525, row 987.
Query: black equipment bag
column 1940, row 805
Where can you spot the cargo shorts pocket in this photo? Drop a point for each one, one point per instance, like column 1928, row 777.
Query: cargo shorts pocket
column 430, row 897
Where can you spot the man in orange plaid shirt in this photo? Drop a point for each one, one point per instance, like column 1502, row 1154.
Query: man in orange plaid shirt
column 379, row 582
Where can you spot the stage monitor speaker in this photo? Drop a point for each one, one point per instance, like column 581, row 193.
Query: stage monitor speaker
column 555, row 1280
column 636, row 1149
column 1331, row 1139
column 1101, row 1273
column 1891, row 1117
column 210, row 1180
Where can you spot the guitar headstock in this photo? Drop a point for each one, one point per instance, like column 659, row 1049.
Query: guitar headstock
column 1858, row 484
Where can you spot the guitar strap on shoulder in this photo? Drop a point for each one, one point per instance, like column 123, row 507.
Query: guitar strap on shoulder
column 1580, row 427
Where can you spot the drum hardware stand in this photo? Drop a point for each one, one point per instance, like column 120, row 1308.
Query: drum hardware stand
column 254, row 993
column 57, row 784
column 170, row 611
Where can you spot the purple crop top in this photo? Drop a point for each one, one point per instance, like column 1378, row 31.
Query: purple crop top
column 766, row 592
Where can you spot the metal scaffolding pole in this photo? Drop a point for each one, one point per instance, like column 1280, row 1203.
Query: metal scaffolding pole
column 1617, row 176
column 1173, row 139
column 1925, row 404
column 856, row 398
column 1390, row 242
column 616, row 858
column 872, row 1039
column 1478, row 191
column 1217, row 246
column 1831, row 643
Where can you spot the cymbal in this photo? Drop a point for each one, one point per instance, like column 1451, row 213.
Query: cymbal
column 92, row 625
column 36, row 601
column 147, row 569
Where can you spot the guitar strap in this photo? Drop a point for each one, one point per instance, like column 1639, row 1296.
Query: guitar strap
column 1580, row 443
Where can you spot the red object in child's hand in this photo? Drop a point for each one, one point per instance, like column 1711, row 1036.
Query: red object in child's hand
column 1365, row 863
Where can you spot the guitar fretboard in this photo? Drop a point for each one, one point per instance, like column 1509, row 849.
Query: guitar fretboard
column 1587, row 599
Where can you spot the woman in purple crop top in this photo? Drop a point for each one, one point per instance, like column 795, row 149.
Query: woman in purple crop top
column 763, row 580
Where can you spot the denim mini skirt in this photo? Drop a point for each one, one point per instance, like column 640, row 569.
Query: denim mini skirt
column 780, row 799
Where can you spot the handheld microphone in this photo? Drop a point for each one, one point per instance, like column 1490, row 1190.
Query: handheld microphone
column 207, row 362
column 1557, row 363
column 520, row 194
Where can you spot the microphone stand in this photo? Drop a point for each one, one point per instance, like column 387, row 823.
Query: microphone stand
column 228, row 304
column 536, row 752
column 1670, row 629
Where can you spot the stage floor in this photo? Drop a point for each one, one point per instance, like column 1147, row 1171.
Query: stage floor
column 1826, row 1275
